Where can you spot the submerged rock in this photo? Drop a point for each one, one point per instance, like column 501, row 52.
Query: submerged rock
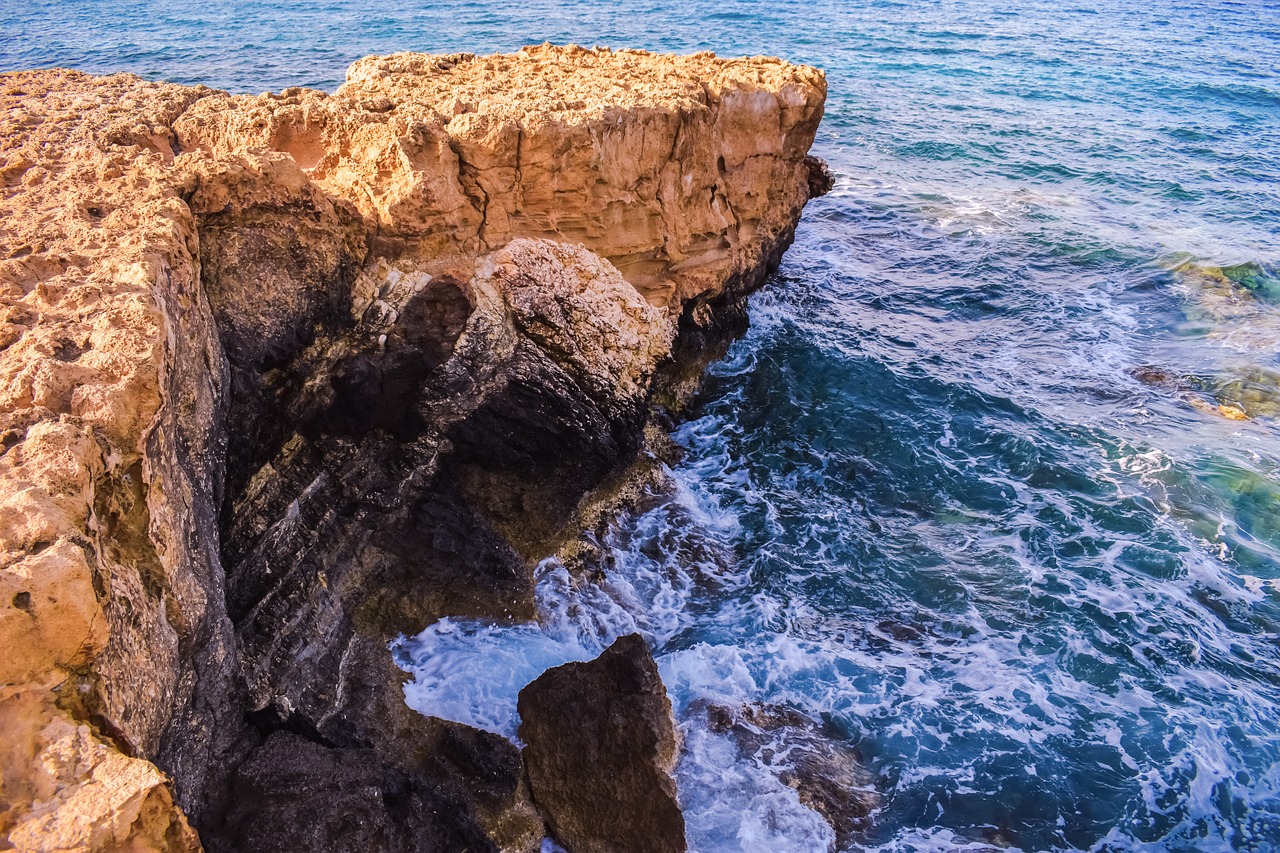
column 1253, row 392
column 1223, row 410
column 1161, row 378
column 825, row 771
column 600, row 751
column 1245, row 280
column 1256, row 390
column 286, row 375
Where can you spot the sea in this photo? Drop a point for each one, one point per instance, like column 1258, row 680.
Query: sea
column 991, row 488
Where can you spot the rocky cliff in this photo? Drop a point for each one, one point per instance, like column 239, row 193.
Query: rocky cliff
column 286, row 375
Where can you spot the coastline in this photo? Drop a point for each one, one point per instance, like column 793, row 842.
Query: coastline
column 293, row 374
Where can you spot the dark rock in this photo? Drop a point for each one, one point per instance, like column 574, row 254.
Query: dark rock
column 821, row 181
column 377, row 777
column 806, row 755
column 1161, row 378
column 527, row 456
column 601, row 747
column 297, row 794
column 395, row 471
column 206, row 733
column 343, row 523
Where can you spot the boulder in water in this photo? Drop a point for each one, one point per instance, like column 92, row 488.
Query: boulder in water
column 601, row 747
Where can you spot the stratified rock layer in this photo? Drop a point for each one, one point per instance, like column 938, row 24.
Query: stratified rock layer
column 286, row 375
column 600, row 751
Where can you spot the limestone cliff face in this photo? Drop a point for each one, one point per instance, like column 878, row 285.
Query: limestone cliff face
column 285, row 375
column 684, row 175
column 106, row 576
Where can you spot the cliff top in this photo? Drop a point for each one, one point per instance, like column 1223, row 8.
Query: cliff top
column 560, row 81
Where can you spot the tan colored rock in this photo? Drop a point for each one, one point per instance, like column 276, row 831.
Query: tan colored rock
column 580, row 309
column 173, row 262
column 92, row 222
column 54, row 620
column 681, row 170
column 81, row 793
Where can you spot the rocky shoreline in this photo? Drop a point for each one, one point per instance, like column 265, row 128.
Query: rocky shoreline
column 288, row 375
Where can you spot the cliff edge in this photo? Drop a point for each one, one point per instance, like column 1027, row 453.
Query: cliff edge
column 286, row 375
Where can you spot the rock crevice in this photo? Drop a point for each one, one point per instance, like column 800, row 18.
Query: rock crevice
column 287, row 375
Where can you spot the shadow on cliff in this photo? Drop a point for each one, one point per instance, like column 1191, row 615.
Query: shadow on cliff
column 406, row 421
column 379, row 477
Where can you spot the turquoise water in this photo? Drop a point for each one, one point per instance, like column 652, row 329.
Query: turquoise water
column 992, row 486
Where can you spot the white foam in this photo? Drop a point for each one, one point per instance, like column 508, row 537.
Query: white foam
column 732, row 803
column 933, row 840
column 472, row 673
column 993, row 694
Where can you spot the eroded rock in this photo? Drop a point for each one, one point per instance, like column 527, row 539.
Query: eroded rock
column 286, row 375
column 685, row 172
column 112, row 609
column 600, row 752
column 67, row 788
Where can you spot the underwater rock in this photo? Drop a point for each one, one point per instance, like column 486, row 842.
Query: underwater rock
column 1222, row 410
column 806, row 755
column 1256, row 390
column 1155, row 376
column 1235, row 281
column 1206, row 395
column 1235, row 305
column 600, row 751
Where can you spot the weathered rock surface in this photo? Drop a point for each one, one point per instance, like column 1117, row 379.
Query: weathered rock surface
column 600, row 751
column 286, row 375
column 110, row 585
column 684, row 174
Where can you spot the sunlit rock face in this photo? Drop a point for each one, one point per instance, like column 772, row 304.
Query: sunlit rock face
column 684, row 172
column 286, row 375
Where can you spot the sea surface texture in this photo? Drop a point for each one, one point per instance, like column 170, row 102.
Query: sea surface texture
column 992, row 486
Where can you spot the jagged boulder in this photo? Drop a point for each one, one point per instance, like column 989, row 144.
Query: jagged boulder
column 600, row 750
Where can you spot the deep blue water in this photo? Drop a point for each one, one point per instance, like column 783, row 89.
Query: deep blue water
column 968, row 490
